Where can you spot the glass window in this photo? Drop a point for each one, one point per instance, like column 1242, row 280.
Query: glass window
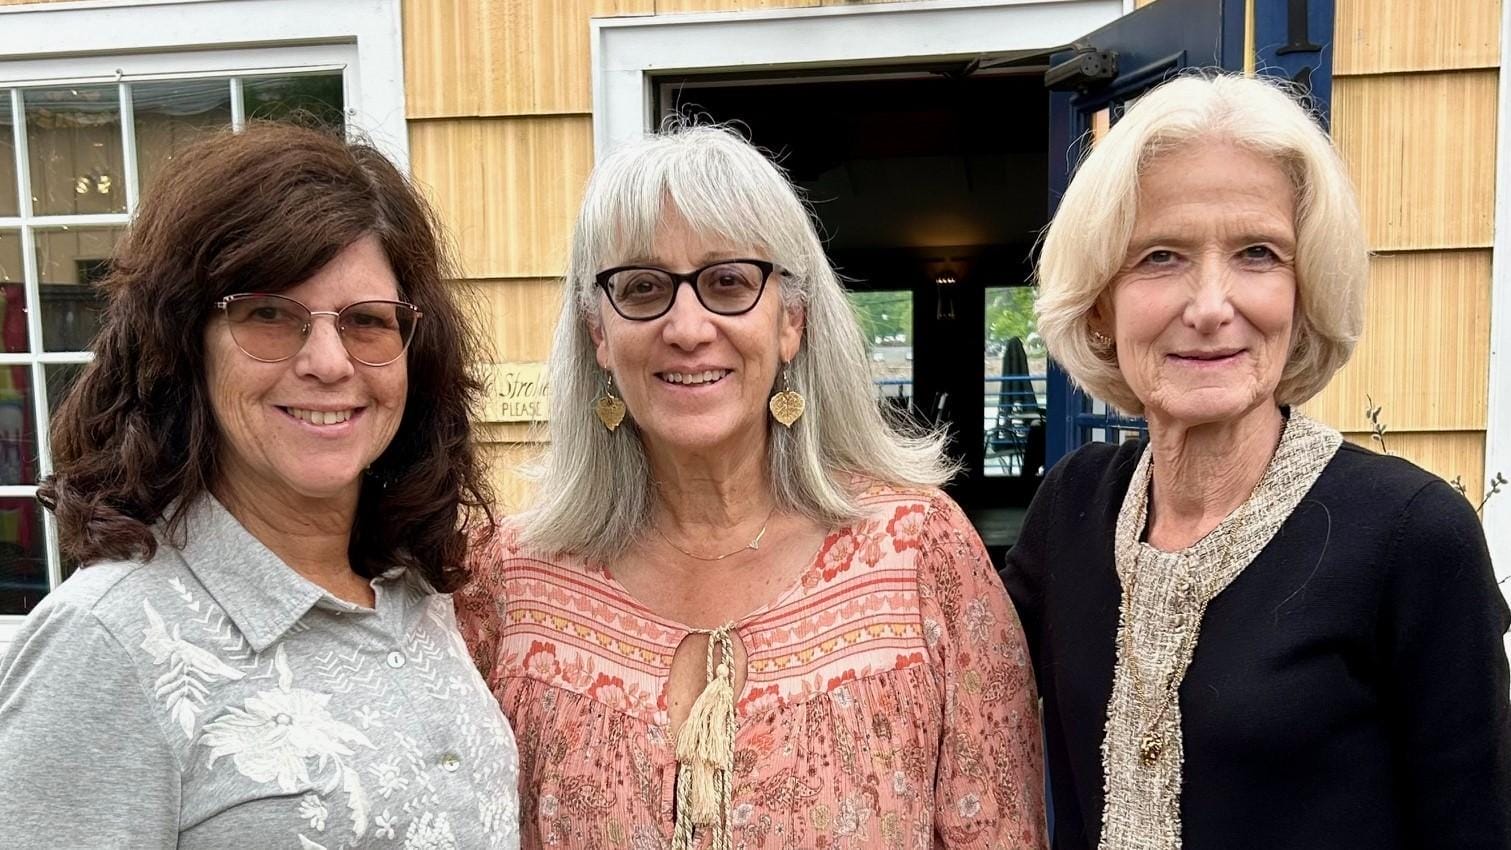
column 10, row 259
column 73, row 138
column 69, row 262
column 12, row 293
column 168, row 116
column 303, row 99
column 60, row 378
column 886, row 319
column 1012, row 415
column 9, row 191
column 23, row 559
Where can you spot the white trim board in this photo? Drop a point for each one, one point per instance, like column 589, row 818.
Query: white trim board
column 96, row 37
column 1498, row 424
column 627, row 52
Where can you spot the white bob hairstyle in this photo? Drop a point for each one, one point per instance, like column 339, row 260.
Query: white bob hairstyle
column 595, row 490
column 1087, row 241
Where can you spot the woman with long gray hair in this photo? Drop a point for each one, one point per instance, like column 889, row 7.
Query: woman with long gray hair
column 741, row 611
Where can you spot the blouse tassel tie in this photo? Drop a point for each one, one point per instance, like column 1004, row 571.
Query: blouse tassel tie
column 706, row 752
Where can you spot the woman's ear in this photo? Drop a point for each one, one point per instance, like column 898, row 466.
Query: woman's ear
column 600, row 342
column 790, row 335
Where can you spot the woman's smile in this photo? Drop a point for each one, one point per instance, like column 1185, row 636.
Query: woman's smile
column 325, row 421
column 695, row 379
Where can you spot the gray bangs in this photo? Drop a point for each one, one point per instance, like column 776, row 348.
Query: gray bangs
column 724, row 189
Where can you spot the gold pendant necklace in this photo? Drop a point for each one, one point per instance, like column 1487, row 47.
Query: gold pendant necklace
column 753, row 544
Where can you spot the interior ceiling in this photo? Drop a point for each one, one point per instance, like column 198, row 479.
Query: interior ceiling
column 912, row 165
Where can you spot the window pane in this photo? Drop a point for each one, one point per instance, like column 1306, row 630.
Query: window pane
column 1013, row 410
column 23, row 559
column 68, row 262
column 170, row 115
column 8, row 187
column 73, row 139
column 886, row 319
column 303, row 99
column 18, row 433
column 60, row 378
column 12, row 293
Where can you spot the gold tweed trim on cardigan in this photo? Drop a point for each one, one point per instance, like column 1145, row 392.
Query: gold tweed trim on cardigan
column 1165, row 595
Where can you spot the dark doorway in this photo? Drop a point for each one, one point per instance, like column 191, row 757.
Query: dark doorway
column 930, row 187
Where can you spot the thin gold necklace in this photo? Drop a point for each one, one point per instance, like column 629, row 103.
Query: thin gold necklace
column 753, row 544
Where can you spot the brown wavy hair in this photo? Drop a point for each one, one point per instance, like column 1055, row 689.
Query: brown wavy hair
column 135, row 441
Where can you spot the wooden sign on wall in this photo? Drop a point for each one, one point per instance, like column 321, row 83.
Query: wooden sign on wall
column 514, row 392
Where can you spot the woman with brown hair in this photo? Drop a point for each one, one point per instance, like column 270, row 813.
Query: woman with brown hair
column 267, row 475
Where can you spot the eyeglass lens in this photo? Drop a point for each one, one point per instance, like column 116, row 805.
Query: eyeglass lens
column 727, row 288
column 273, row 328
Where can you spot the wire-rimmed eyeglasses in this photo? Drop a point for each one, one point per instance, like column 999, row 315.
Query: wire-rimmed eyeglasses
column 728, row 287
column 272, row 328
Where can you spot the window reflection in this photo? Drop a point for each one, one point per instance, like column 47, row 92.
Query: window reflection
column 9, row 192
column 308, row 99
column 73, row 139
column 169, row 116
column 1016, row 368
column 886, row 319
column 23, row 562
column 12, row 293
column 69, row 262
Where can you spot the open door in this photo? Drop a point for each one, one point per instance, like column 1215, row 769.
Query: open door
column 1092, row 84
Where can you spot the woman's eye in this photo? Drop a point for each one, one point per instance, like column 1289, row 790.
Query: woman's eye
column 1258, row 253
column 1159, row 258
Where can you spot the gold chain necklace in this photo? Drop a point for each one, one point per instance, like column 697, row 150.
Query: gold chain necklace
column 755, row 543
column 1151, row 744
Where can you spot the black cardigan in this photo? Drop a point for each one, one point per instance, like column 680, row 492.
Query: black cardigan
column 1349, row 689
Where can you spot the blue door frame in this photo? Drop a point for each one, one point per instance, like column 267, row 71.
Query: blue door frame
column 1293, row 39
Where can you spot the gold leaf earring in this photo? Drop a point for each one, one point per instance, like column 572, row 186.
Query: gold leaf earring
column 1101, row 341
column 787, row 405
column 608, row 407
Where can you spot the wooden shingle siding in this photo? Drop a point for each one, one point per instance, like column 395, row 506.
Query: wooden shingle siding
column 506, row 188
column 1383, row 36
column 1421, row 148
column 1415, row 106
column 517, row 317
column 469, row 58
column 1424, row 355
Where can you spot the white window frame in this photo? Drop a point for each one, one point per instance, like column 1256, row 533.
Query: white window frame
column 627, row 52
column 125, row 41
column 1498, row 423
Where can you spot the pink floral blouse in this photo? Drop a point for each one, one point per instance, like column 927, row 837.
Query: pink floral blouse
column 889, row 700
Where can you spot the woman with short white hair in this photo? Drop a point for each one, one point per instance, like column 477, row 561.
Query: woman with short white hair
column 1248, row 633
column 742, row 613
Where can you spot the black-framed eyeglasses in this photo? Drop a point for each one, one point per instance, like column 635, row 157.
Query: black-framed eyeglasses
column 728, row 288
column 272, row 328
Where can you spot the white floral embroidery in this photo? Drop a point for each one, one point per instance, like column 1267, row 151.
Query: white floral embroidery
column 389, row 777
column 368, row 717
column 306, row 844
column 190, row 670
column 385, row 823
column 313, row 809
column 430, row 832
column 969, row 806
column 274, row 734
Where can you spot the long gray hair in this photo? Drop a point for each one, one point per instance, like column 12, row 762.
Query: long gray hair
column 595, row 489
